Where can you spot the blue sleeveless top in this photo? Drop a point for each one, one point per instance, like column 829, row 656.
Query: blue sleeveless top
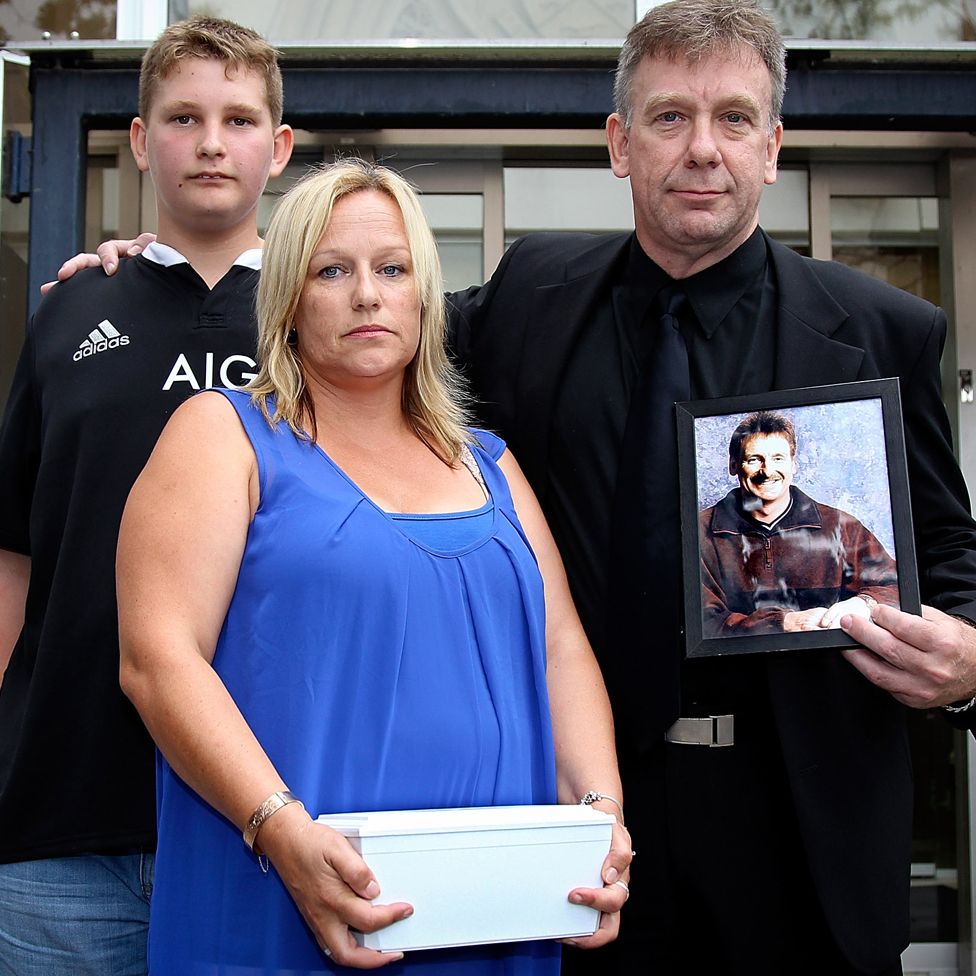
column 378, row 673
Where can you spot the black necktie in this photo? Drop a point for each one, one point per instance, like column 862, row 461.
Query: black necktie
column 645, row 605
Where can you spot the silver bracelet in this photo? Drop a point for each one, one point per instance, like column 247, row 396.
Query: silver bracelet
column 966, row 706
column 590, row 797
column 957, row 709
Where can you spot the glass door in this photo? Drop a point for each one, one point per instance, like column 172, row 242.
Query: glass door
column 14, row 211
column 884, row 220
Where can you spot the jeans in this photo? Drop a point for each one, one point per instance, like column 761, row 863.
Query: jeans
column 75, row 916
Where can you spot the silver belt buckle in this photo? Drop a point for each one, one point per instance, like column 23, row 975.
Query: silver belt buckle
column 714, row 731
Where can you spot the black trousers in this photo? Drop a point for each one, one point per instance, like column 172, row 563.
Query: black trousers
column 720, row 883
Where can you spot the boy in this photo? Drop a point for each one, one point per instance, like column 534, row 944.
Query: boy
column 105, row 363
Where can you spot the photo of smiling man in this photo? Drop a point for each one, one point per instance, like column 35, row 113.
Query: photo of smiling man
column 773, row 560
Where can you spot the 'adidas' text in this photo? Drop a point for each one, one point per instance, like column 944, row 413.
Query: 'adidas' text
column 103, row 336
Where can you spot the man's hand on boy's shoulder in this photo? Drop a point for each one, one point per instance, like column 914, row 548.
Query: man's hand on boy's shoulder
column 108, row 255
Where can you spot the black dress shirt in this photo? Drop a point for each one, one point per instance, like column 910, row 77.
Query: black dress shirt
column 731, row 351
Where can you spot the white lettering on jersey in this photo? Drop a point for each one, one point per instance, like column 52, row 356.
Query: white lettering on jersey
column 183, row 372
column 102, row 338
column 245, row 376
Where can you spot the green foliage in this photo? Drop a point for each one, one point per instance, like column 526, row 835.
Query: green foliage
column 843, row 19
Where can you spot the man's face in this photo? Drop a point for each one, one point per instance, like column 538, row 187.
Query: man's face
column 698, row 153
column 765, row 470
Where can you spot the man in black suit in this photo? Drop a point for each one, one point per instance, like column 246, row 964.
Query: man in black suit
column 785, row 848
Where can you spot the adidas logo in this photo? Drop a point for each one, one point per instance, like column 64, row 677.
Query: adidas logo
column 103, row 336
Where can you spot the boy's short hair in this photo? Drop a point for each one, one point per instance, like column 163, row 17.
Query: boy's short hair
column 216, row 39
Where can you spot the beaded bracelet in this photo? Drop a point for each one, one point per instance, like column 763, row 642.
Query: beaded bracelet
column 591, row 797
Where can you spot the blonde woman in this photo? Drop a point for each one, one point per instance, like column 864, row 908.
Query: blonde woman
column 332, row 591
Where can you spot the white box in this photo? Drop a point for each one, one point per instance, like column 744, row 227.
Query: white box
column 481, row 874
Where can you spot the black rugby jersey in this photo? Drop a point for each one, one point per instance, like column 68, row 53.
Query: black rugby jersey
column 105, row 363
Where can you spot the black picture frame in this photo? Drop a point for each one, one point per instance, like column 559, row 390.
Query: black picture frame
column 858, row 425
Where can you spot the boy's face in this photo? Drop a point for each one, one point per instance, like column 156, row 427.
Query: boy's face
column 210, row 146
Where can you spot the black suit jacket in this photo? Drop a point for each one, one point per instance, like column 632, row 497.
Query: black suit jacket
column 843, row 740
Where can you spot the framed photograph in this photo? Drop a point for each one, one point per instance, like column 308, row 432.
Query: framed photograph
column 796, row 513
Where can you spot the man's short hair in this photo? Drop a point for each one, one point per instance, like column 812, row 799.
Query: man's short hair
column 211, row 38
column 763, row 422
column 692, row 30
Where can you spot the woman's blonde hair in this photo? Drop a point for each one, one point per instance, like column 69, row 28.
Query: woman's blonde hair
column 433, row 392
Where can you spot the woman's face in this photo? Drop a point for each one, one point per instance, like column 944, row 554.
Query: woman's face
column 358, row 318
